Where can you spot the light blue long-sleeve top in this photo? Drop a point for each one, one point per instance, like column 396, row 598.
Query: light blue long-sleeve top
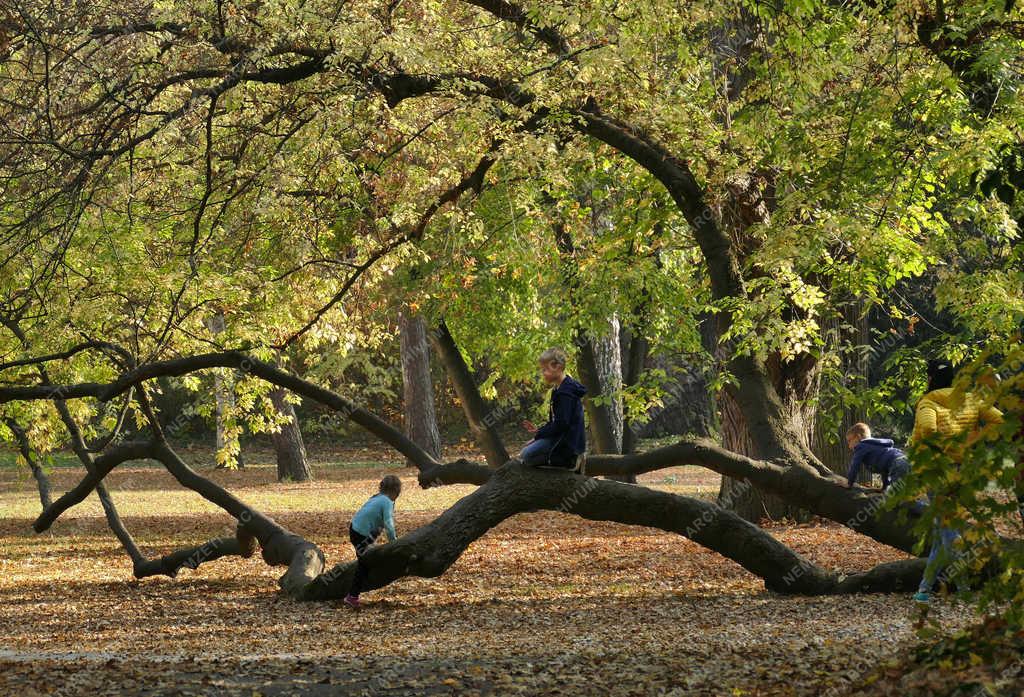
column 377, row 514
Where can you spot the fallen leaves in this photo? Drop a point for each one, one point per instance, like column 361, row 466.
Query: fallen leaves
column 545, row 604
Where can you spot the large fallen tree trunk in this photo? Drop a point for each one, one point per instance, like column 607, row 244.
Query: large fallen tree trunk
column 515, row 488
column 512, row 489
column 472, row 517
column 859, row 509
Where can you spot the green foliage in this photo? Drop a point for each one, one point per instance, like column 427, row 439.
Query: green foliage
column 867, row 161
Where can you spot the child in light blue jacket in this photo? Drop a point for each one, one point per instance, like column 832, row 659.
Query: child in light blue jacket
column 375, row 516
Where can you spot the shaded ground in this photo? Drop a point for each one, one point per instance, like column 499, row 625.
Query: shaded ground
column 546, row 604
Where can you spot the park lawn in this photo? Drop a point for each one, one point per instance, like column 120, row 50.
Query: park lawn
column 583, row 603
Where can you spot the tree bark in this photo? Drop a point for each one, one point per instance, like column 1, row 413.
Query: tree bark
column 795, row 383
column 292, row 464
column 599, row 416
column 830, row 444
column 481, row 417
column 858, row 509
column 224, row 395
column 38, row 473
column 515, row 488
column 417, row 385
column 608, row 355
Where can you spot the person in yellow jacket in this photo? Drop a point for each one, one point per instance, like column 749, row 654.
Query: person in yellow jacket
column 946, row 411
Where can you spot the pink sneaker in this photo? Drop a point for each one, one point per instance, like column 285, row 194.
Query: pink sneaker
column 352, row 601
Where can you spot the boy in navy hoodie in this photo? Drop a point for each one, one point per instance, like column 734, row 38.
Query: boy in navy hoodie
column 876, row 454
column 559, row 442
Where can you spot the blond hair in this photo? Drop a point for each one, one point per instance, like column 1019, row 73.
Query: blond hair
column 554, row 355
column 859, row 429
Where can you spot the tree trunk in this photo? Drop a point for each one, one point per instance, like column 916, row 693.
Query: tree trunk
column 482, row 418
column 288, row 446
column 599, row 418
column 417, row 386
column 430, row 550
column 608, row 360
column 227, row 440
column 829, row 444
column 25, row 448
column 750, row 196
column 792, row 382
column 600, row 422
column 636, row 358
column 738, row 496
column 607, row 352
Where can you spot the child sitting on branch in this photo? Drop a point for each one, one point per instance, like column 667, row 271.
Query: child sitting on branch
column 561, row 441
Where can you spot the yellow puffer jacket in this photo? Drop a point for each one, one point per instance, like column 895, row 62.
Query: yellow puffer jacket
column 949, row 411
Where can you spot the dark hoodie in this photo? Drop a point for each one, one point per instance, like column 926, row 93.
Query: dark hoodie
column 877, row 454
column 565, row 422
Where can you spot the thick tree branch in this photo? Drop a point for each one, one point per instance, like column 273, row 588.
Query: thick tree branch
column 516, row 488
column 101, row 467
column 480, row 417
column 243, row 544
column 824, row 495
column 227, row 359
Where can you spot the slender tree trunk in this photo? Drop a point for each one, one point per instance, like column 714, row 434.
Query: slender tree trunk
column 417, row 386
column 481, row 417
column 599, row 418
column 635, row 348
column 25, row 448
column 636, row 358
column 829, row 444
column 607, row 352
column 292, row 463
column 224, row 394
column 608, row 385
column 81, row 449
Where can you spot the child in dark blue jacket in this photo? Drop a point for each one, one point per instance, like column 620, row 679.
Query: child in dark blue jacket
column 560, row 441
column 878, row 455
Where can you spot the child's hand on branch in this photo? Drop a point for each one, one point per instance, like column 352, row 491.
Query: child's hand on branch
column 528, row 425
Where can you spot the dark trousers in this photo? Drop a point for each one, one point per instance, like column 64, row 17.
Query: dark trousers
column 361, row 543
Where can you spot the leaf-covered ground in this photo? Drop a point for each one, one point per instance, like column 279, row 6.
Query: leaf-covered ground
column 545, row 604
